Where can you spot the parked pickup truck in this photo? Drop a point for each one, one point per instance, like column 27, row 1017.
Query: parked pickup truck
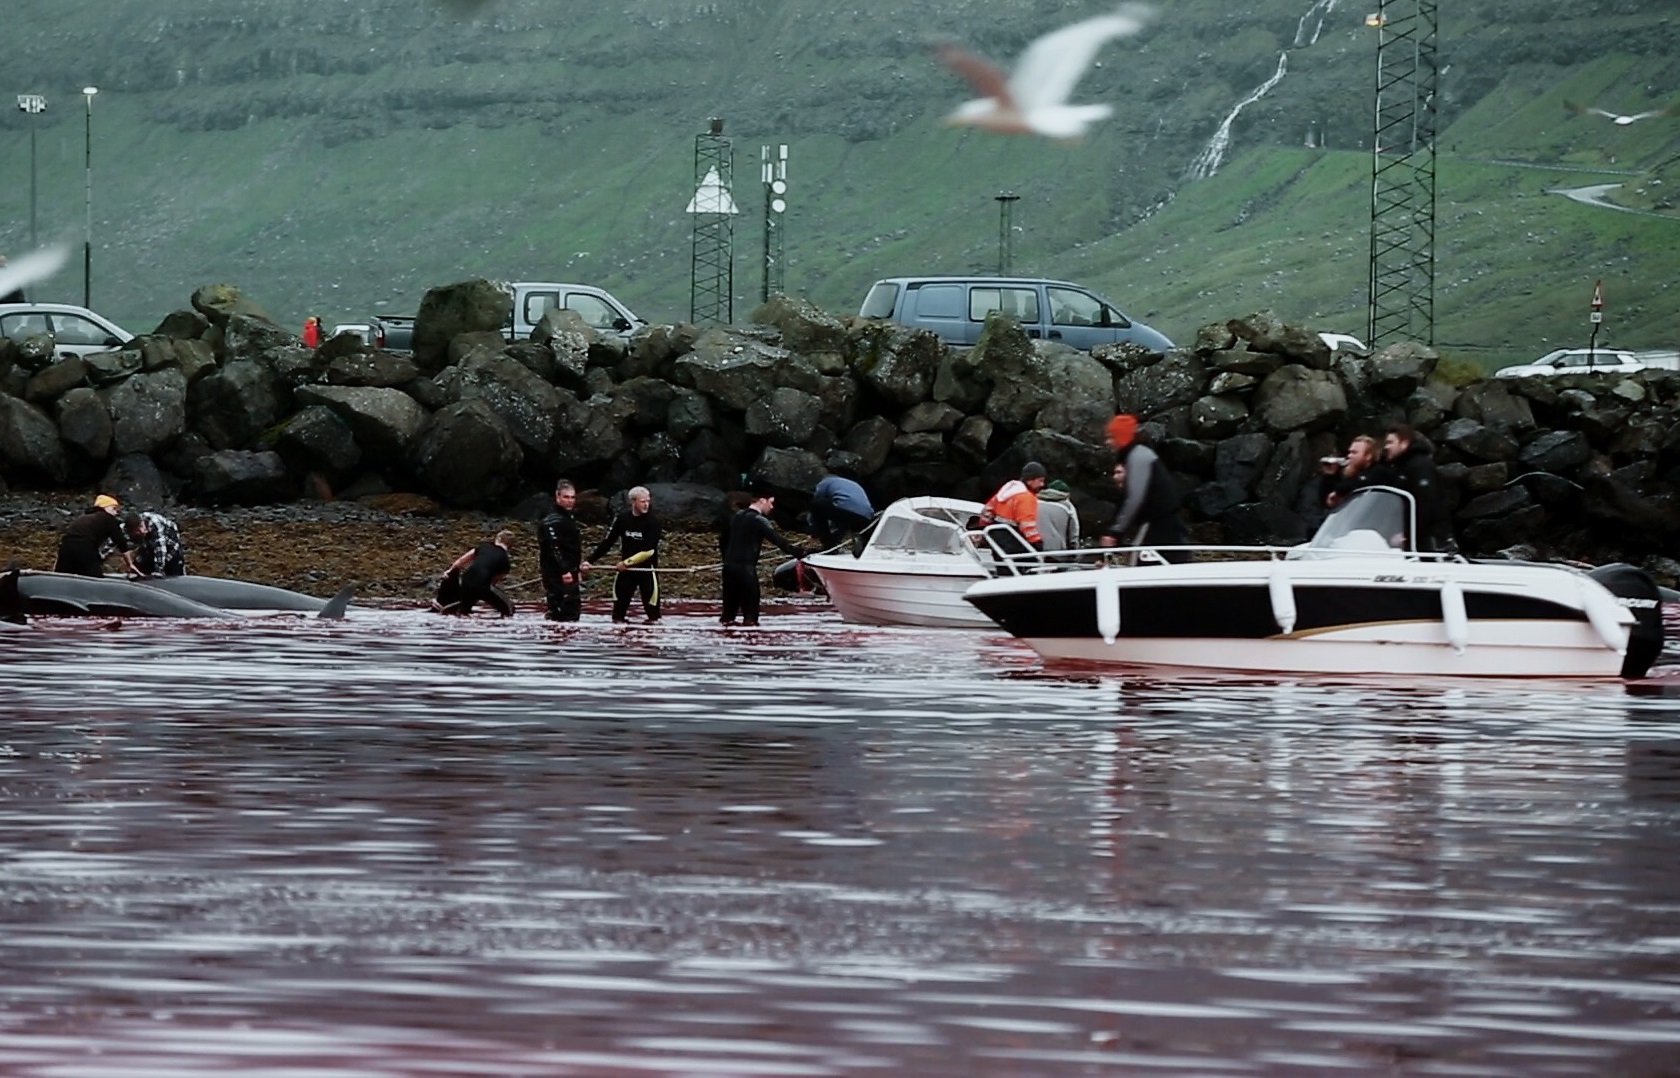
column 392, row 333
column 1592, row 361
column 599, row 308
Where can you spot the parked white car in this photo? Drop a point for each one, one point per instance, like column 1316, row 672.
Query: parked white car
column 75, row 331
column 1592, row 361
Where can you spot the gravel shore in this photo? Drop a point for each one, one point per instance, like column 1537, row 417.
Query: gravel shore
column 394, row 547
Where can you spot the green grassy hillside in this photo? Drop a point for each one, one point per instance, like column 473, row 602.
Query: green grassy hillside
column 340, row 157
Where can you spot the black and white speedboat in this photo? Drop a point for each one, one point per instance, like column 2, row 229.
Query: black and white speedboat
column 1357, row 599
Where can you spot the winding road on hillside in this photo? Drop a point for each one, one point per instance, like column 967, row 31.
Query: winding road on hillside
column 1593, row 195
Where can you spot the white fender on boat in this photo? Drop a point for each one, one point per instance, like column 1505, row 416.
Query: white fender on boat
column 1454, row 617
column 1609, row 617
column 1283, row 597
column 1108, row 606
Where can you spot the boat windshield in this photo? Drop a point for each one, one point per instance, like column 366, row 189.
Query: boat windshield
column 917, row 535
column 1373, row 520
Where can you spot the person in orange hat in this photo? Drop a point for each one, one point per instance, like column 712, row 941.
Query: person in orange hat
column 91, row 538
column 1150, row 498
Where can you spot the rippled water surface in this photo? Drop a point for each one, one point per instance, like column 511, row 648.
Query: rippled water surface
column 401, row 845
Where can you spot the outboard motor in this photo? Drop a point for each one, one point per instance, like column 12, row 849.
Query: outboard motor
column 1634, row 589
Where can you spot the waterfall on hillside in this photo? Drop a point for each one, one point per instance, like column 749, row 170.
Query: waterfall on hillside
column 1213, row 154
column 1321, row 8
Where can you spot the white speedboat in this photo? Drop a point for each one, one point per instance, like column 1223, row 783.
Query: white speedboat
column 1357, row 599
column 916, row 560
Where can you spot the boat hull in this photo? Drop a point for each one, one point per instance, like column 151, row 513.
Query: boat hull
column 870, row 594
column 1346, row 617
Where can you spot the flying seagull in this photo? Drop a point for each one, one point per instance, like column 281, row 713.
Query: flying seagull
column 30, row 268
column 1032, row 100
column 1617, row 118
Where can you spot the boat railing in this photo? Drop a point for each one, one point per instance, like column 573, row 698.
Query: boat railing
column 1102, row 557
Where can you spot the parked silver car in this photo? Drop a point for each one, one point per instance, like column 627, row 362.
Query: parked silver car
column 1591, row 361
column 74, row 330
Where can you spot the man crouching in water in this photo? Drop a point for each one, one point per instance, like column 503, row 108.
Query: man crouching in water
column 560, row 554
column 473, row 578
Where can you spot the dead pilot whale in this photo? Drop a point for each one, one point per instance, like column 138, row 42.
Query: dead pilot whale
column 241, row 594
column 65, row 594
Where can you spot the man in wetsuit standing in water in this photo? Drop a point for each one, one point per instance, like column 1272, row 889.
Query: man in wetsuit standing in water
column 748, row 529
column 560, row 555
column 638, row 528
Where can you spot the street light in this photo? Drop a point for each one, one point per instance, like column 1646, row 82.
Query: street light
column 33, row 104
column 87, row 169
column 1006, row 229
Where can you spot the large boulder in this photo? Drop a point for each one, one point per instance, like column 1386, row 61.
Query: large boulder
column 315, row 439
column 786, row 418
column 248, row 337
column 1178, row 379
column 467, row 456
column 55, row 379
column 29, row 444
column 234, row 404
column 148, row 411
column 528, row 406
column 384, row 421
column 805, row 327
column 899, row 363
column 731, row 368
column 242, row 477
column 217, row 303
column 1294, row 397
column 450, row 310
column 84, row 423
column 365, row 368
column 134, row 479
column 1264, row 331
column 789, row 471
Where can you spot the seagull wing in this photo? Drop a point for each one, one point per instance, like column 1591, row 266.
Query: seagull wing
column 1051, row 66
column 32, row 267
column 986, row 79
column 1653, row 112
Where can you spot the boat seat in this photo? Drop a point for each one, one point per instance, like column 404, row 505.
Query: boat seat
column 1010, row 548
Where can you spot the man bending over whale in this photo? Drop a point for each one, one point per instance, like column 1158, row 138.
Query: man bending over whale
column 473, row 577
column 157, row 544
column 91, row 538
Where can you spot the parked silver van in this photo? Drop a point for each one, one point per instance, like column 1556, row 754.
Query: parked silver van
column 956, row 308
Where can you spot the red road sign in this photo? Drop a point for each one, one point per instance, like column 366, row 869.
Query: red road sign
column 1598, row 296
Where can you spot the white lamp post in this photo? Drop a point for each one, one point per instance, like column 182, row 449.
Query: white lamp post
column 34, row 105
column 87, row 168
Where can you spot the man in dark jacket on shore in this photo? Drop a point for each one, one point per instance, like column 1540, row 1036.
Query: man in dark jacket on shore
column 747, row 531
column 1409, row 463
column 560, row 555
column 83, row 547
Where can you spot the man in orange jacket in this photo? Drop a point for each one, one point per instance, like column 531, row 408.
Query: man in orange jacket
column 1016, row 502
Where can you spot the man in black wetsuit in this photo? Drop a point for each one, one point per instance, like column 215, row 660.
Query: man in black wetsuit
column 473, row 578
column 560, row 554
column 748, row 529
column 638, row 529
column 157, row 544
column 83, row 547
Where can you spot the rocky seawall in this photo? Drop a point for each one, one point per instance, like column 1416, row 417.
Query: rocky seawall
column 222, row 407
